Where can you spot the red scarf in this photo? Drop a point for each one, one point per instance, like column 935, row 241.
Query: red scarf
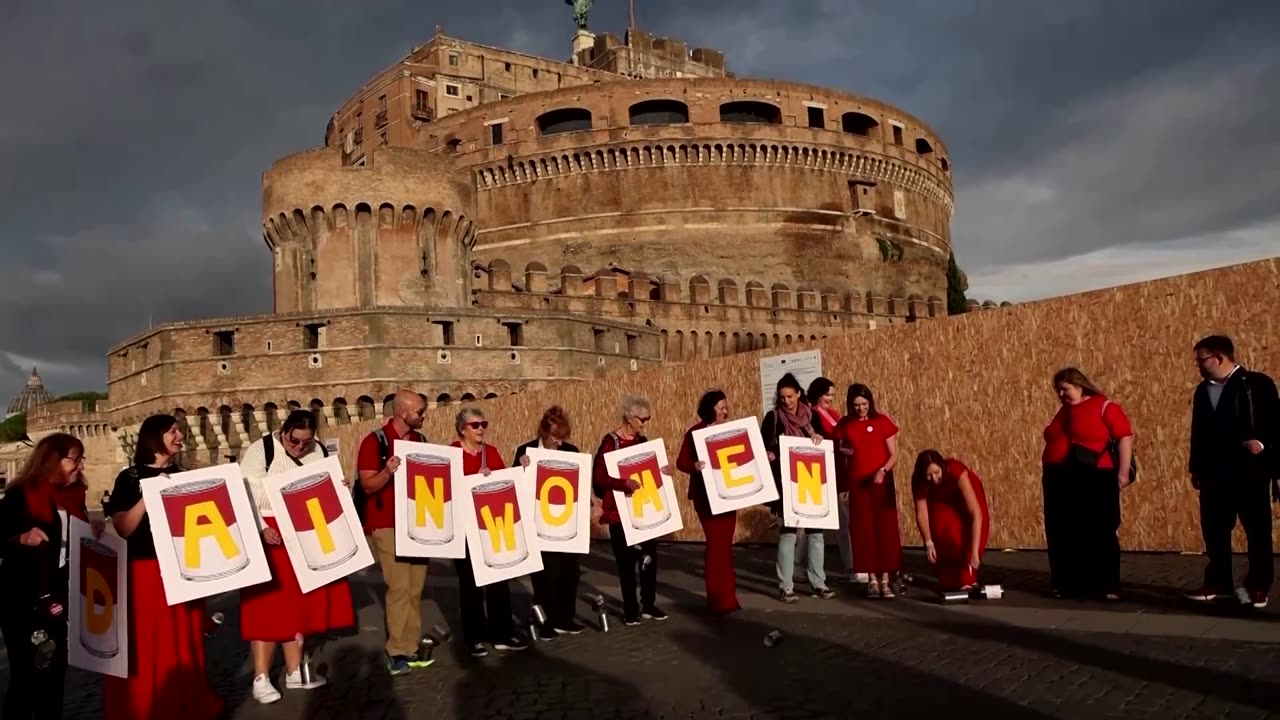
column 42, row 493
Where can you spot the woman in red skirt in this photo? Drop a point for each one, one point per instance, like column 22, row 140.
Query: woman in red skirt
column 952, row 513
column 722, row 583
column 869, row 439
column 277, row 611
column 166, row 642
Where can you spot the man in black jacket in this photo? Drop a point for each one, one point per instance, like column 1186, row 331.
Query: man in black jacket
column 1235, row 444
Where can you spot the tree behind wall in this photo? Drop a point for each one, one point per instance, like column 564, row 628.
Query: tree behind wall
column 14, row 428
column 957, row 284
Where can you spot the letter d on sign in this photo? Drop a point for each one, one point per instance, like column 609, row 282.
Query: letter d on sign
column 97, row 618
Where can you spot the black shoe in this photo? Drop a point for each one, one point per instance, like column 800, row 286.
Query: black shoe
column 514, row 643
column 570, row 627
column 478, row 650
column 630, row 619
column 653, row 613
column 546, row 633
column 824, row 593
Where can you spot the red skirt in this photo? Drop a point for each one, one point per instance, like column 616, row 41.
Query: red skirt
column 873, row 527
column 277, row 610
column 952, row 532
column 166, row 652
column 722, row 583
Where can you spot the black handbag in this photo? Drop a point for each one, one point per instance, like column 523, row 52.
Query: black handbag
column 1086, row 458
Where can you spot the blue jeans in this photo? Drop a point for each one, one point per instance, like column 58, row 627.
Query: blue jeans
column 787, row 559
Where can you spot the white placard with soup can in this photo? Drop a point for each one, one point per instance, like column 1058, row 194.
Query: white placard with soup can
column 557, row 485
column 737, row 472
column 97, row 605
column 651, row 511
column 808, row 483
column 430, row 502
column 500, row 527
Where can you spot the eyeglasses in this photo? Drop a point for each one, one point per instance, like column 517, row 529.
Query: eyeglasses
column 644, row 419
column 478, row 424
column 299, row 443
column 77, row 460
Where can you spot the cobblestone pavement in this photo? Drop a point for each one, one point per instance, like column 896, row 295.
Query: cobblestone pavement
column 1022, row 656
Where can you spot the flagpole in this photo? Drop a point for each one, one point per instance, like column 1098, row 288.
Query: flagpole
column 632, row 26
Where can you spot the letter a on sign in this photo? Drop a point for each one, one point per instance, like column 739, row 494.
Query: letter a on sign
column 205, row 531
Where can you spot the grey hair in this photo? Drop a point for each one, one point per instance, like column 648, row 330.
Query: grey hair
column 464, row 415
column 632, row 403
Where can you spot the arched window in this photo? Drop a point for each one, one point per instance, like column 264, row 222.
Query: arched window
column 923, row 147
column 659, row 112
column 750, row 111
column 564, row 120
column 856, row 123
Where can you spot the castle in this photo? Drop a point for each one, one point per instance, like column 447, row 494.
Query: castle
column 481, row 221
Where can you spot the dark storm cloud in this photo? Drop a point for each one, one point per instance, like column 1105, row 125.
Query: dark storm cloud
column 132, row 150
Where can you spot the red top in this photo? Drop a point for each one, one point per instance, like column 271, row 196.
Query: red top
column 825, row 424
column 869, row 439
column 603, row 483
column 471, row 460
column 1089, row 425
column 686, row 462
column 380, row 506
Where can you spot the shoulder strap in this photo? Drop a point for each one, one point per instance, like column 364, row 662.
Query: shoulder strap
column 323, row 450
column 269, row 450
column 484, row 457
column 384, row 447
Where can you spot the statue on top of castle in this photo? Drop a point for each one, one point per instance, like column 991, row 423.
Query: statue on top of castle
column 581, row 8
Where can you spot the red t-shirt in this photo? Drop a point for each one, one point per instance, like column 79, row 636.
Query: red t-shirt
column 1090, row 426
column 471, row 460
column 380, row 506
column 869, row 439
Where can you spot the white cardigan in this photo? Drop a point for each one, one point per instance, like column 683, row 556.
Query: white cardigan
column 254, row 466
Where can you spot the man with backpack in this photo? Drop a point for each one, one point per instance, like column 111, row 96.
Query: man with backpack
column 375, row 501
column 1235, row 451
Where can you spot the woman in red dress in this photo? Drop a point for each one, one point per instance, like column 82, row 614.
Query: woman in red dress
column 952, row 514
column 722, row 583
column 868, row 438
column 166, row 642
column 278, row 611
column 1088, row 446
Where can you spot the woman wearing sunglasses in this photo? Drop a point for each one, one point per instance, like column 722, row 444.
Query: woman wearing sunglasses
column 635, row 560
column 278, row 611
column 486, row 611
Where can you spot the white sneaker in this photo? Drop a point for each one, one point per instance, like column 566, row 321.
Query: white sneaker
column 263, row 691
column 293, row 681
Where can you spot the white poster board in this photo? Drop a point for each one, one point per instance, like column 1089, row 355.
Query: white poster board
column 806, row 366
column 205, row 532
column 737, row 472
column 98, row 602
column 429, row 501
column 500, row 528
column 558, row 487
column 318, row 523
column 651, row 511
column 808, row 483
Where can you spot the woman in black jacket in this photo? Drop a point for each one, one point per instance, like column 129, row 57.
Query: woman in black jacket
column 35, row 527
column 555, row 587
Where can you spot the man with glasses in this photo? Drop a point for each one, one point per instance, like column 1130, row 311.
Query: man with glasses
column 404, row 577
column 1235, row 445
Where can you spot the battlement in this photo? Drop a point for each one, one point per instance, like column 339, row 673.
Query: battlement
column 69, row 416
column 641, row 55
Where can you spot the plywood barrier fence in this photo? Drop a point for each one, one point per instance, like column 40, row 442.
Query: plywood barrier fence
column 976, row 387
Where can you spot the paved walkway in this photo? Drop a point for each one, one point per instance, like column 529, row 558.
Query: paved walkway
column 1152, row 655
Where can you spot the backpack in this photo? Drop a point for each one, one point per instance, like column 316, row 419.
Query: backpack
column 1248, row 398
column 384, row 454
column 269, row 450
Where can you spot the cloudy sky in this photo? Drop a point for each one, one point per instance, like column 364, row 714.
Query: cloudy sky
column 1093, row 142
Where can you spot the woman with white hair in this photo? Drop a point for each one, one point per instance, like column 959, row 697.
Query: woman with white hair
column 641, row 559
column 486, row 611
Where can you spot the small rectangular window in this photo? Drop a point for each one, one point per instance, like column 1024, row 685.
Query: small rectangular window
column 446, row 332
column 816, row 118
column 633, row 345
column 452, row 91
column 495, row 134
column 453, row 59
column 382, row 138
column 601, row 339
column 224, row 343
column 382, row 103
column 535, row 72
column 313, row 336
column 515, row 333
column 508, row 65
column 897, row 135
column 421, row 99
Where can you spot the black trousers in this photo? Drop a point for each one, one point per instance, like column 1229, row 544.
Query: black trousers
column 555, row 587
column 640, row 560
column 486, row 611
column 1081, row 519
column 1222, row 502
column 32, row 694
